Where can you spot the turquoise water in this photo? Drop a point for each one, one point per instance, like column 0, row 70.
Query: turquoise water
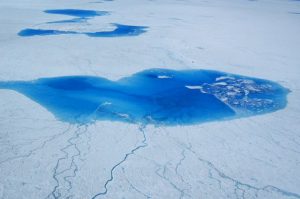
column 154, row 96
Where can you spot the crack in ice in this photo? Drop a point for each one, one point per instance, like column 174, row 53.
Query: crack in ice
column 127, row 155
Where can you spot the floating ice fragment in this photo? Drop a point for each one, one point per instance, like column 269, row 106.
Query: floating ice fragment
column 163, row 77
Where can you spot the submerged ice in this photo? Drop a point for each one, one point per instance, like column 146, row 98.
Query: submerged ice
column 155, row 96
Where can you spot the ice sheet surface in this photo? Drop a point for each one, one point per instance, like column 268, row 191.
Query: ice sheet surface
column 250, row 150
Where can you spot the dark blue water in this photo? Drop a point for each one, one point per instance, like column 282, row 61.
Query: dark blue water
column 121, row 30
column 77, row 13
column 155, row 96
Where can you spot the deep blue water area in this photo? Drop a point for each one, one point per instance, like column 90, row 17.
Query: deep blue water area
column 77, row 13
column 121, row 30
column 154, row 96
column 40, row 32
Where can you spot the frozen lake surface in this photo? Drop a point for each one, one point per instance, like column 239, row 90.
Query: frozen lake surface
column 149, row 99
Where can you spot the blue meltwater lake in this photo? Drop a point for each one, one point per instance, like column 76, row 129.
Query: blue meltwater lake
column 154, row 96
column 82, row 16
column 119, row 31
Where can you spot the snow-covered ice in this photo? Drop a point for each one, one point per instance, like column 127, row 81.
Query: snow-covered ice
column 44, row 156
